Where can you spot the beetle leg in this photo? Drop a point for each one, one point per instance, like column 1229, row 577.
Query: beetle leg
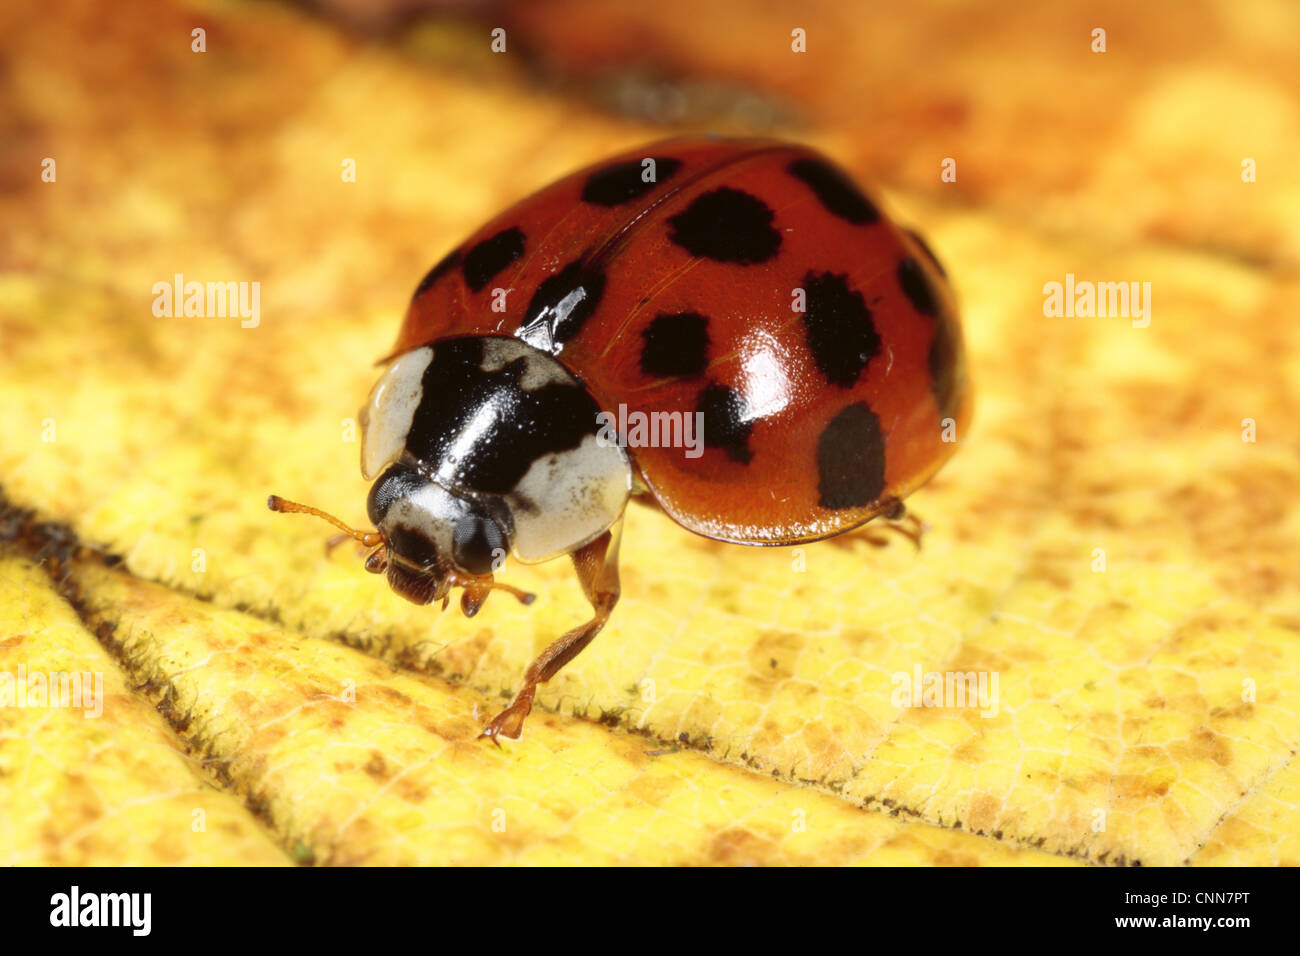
column 597, row 568
column 478, row 587
column 899, row 520
column 910, row 527
column 477, row 591
column 377, row 559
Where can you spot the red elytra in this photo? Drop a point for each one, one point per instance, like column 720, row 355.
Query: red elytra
column 758, row 344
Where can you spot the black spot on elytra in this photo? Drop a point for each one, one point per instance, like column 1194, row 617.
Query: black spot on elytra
column 947, row 368
column 563, row 302
column 622, row 182
column 834, row 190
column 445, row 265
column 489, row 453
column 917, row 287
column 851, row 459
column 929, row 253
column 675, row 345
column 485, row 259
column 946, row 361
column 727, row 225
column 725, row 425
column 841, row 334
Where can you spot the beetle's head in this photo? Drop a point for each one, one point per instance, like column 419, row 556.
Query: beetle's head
column 427, row 539
column 432, row 538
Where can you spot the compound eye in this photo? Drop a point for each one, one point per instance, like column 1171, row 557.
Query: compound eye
column 398, row 483
column 475, row 544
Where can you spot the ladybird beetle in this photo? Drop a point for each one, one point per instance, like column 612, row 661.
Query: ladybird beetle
column 748, row 284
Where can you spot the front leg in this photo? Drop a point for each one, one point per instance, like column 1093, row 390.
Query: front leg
column 597, row 568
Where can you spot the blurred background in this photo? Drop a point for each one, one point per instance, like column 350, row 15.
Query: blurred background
column 1141, row 142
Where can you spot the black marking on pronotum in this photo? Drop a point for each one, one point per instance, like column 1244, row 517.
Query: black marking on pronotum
column 725, row 425
column 841, row 334
column 676, row 345
column 834, row 190
column 485, row 259
column 917, row 287
column 851, row 459
column 564, row 301
column 445, row 265
column 726, row 225
column 622, row 182
column 925, row 247
column 484, row 426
